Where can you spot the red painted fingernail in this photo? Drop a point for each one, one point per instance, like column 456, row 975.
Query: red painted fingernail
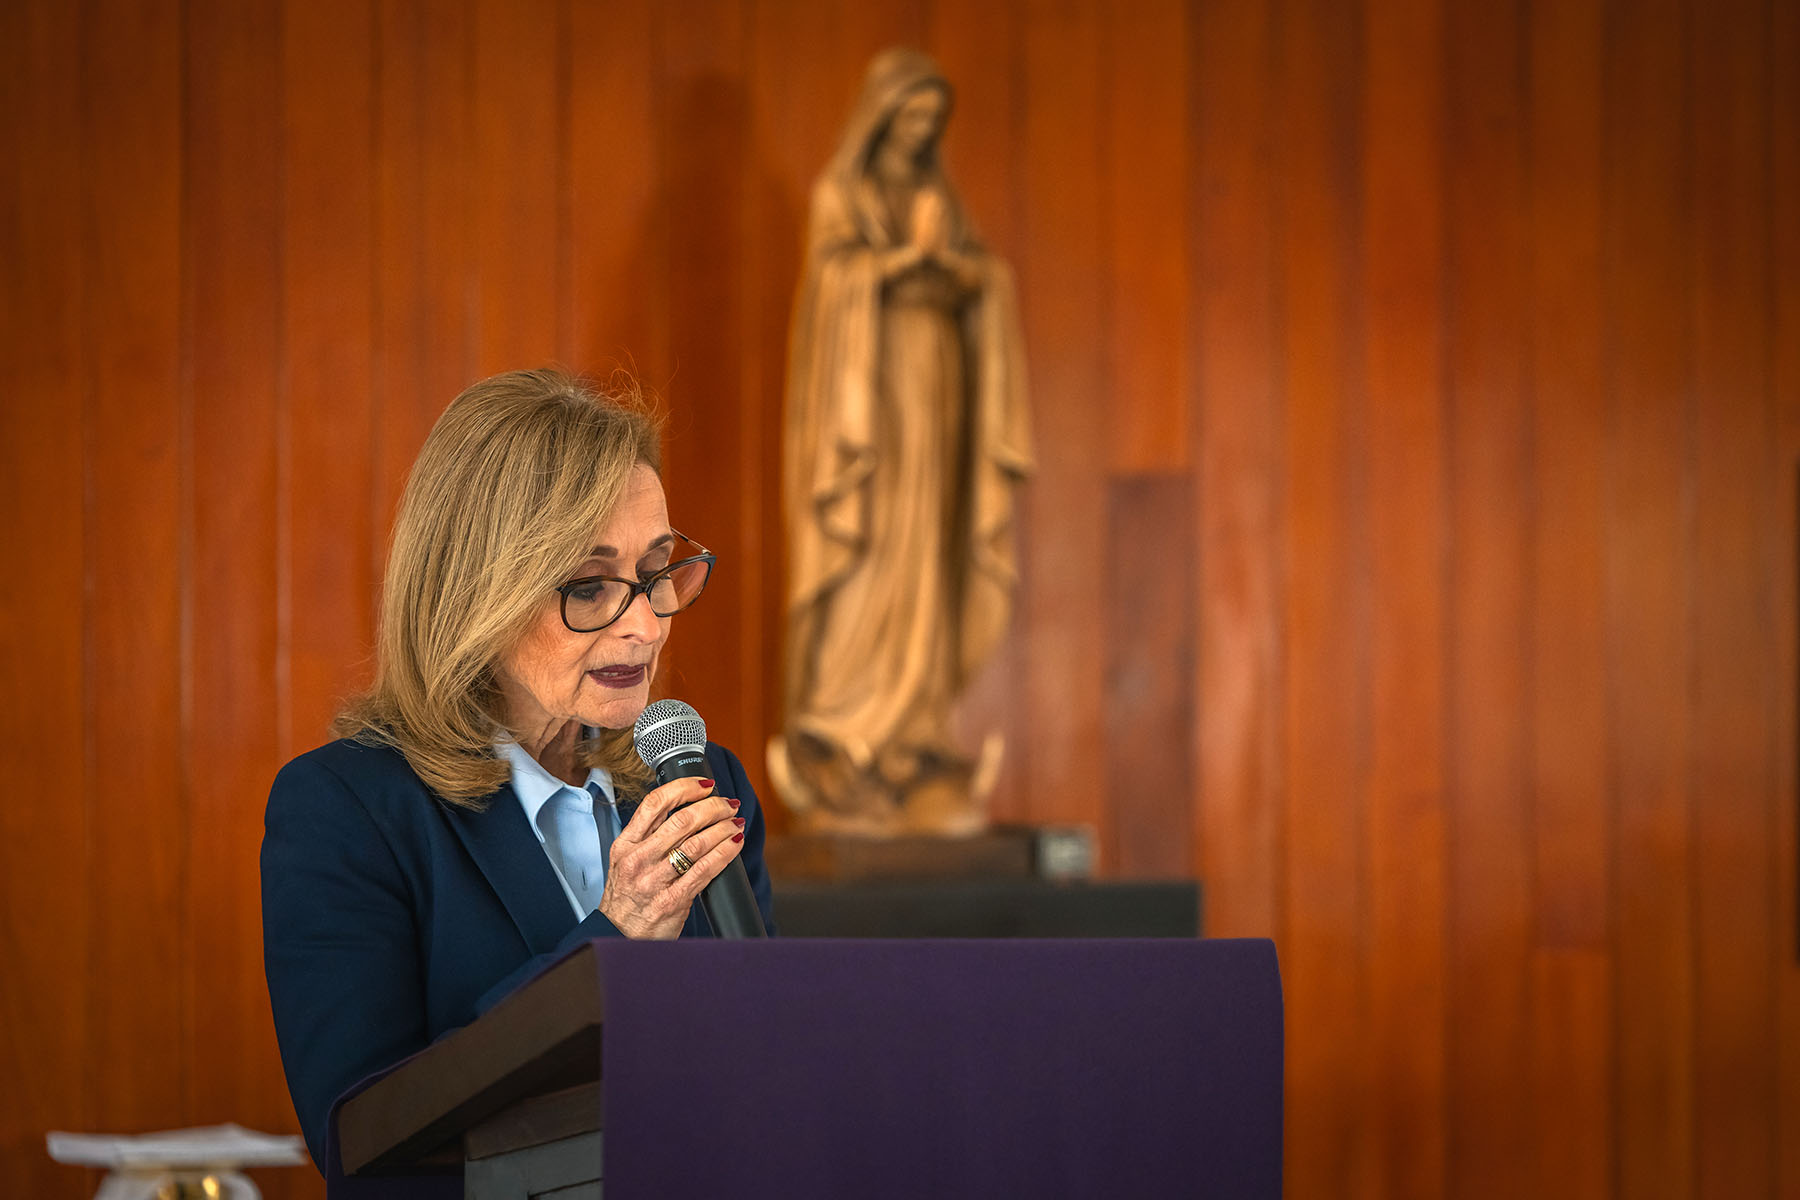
column 737, row 837
column 706, row 783
column 733, row 803
column 738, row 821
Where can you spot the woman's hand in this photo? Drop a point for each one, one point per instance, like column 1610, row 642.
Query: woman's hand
column 644, row 896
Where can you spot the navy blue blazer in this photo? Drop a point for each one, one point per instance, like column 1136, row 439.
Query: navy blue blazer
column 391, row 918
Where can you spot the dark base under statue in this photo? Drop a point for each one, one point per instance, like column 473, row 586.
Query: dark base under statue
column 1010, row 881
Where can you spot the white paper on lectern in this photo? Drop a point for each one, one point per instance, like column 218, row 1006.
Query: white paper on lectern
column 206, row 1146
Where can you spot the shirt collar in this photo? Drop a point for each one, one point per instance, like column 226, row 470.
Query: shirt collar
column 534, row 786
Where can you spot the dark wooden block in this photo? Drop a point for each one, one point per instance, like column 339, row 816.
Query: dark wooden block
column 988, row 908
column 568, row 1169
column 845, row 858
column 537, row 1121
column 1003, row 852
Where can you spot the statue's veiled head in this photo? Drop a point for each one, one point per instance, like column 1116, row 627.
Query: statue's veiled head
column 906, row 98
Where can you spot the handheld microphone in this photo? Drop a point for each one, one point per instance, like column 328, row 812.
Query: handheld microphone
column 671, row 739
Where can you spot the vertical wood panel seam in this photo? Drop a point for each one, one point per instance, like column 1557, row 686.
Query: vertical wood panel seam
column 1020, row 117
column 472, row 280
column 379, row 349
column 1188, row 376
column 1604, row 265
column 1441, row 131
column 1105, row 368
column 1531, row 539
column 421, row 326
column 740, row 374
column 1609, row 199
column 1353, row 451
column 748, row 381
column 88, row 388
column 1532, row 535
column 1451, row 777
column 564, row 52
column 1687, row 224
column 283, row 432
column 1017, row 224
column 751, row 398
column 185, row 540
column 1776, row 488
column 1279, row 473
column 662, row 352
column 1193, row 448
column 1533, row 508
column 1354, row 163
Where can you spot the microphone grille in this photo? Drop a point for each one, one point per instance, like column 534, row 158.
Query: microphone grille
column 665, row 727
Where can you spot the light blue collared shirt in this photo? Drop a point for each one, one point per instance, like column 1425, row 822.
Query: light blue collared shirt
column 554, row 808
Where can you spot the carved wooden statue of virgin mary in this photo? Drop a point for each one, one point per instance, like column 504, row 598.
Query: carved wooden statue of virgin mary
column 906, row 436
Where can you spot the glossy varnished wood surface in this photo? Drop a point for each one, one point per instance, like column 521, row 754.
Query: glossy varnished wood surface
column 1412, row 556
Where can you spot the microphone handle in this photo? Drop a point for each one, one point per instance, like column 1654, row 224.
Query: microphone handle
column 729, row 901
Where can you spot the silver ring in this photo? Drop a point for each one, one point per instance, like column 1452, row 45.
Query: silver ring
column 681, row 862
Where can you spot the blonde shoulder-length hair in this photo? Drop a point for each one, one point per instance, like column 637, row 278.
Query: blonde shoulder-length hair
column 500, row 508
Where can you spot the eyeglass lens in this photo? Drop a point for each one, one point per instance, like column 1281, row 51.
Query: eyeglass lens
column 603, row 601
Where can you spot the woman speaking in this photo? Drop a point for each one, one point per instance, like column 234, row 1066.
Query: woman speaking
column 467, row 825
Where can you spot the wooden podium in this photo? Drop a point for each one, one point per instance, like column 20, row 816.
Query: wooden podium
column 821, row 1068
column 511, row 1099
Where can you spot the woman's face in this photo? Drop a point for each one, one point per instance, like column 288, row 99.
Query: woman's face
column 553, row 676
column 917, row 121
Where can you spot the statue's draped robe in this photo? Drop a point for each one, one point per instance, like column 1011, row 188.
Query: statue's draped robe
column 907, row 433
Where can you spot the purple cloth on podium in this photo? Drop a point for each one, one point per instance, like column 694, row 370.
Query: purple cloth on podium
column 810, row 1068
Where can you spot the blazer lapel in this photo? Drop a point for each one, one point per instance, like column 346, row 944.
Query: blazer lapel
column 501, row 842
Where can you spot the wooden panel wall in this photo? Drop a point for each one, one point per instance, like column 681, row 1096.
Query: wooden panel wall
column 1417, row 390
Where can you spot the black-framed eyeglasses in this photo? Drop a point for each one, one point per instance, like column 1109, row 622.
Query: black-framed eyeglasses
column 593, row 602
